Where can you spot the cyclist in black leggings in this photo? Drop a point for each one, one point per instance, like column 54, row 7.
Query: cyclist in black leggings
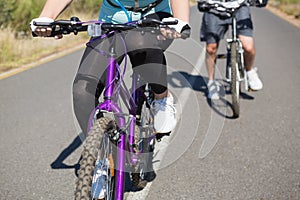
column 146, row 54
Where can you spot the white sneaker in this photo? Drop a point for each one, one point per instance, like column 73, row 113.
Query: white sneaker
column 164, row 114
column 213, row 90
column 253, row 80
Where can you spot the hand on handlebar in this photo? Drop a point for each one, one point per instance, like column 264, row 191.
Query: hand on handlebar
column 170, row 28
column 40, row 30
column 179, row 30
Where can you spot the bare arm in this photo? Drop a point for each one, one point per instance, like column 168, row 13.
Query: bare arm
column 181, row 9
column 53, row 8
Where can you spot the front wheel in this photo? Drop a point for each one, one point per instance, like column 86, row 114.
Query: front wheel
column 235, row 82
column 96, row 174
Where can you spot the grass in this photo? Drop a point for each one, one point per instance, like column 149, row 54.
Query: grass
column 16, row 51
column 290, row 7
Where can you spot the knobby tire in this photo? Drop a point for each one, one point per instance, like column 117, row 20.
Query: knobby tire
column 235, row 83
column 89, row 155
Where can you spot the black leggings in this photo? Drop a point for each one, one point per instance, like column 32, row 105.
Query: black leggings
column 147, row 57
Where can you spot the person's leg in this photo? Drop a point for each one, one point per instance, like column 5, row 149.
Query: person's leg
column 249, row 55
column 147, row 56
column 89, row 82
column 245, row 34
column 148, row 59
column 85, row 87
column 213, row 30
column 249, row 51
column 151, row 65
column 210, row 59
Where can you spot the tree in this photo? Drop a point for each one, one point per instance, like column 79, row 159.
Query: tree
column 7, row 8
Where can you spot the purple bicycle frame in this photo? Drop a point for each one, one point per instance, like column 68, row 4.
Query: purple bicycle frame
column 110, row 106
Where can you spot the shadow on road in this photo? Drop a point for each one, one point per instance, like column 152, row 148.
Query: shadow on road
column 198, row 83
column 182, row 79
column 59, row 161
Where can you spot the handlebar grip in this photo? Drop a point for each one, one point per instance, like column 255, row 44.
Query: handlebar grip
column 61, row 22
column 203, row 7
column 62, row 27
column 45, row 24
column 53, row 34
column 186, row 32
column 34, row 34
column 150, row 22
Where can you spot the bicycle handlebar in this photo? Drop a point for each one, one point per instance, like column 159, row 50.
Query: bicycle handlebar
column 226, row 9
column 223, row 8
column 74, row 25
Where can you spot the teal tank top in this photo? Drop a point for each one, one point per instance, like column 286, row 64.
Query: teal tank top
column 113, row 14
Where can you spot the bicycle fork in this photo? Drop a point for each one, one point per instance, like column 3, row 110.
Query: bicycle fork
column 241, row 76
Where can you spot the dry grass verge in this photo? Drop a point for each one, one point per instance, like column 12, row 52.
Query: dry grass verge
column 17, row 52
column 289, row 7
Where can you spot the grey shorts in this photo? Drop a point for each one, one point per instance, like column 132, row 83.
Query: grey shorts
column 213, row 28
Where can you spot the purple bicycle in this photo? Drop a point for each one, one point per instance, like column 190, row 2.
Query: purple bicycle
column 121, row 137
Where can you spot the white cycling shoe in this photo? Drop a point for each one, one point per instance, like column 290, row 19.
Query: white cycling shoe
column 213, row 90
column 164, row 114
column 254, row 80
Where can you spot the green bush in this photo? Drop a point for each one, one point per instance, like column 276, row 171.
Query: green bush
column 289, row 1
column 88, row 6
column 25, row 11
column 7, row 8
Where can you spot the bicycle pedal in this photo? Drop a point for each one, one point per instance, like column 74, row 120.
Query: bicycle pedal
column 150, row 176
column 221, row 56
column 251, row 90
column 141, row 185
column 159, row 136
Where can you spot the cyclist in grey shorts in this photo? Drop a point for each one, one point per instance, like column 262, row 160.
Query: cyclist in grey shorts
column 213, row 30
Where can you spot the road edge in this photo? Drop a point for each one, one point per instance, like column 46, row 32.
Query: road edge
column 289, row 18
column 46, row 59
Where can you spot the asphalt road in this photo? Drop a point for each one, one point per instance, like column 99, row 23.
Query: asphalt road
column 209, row 156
